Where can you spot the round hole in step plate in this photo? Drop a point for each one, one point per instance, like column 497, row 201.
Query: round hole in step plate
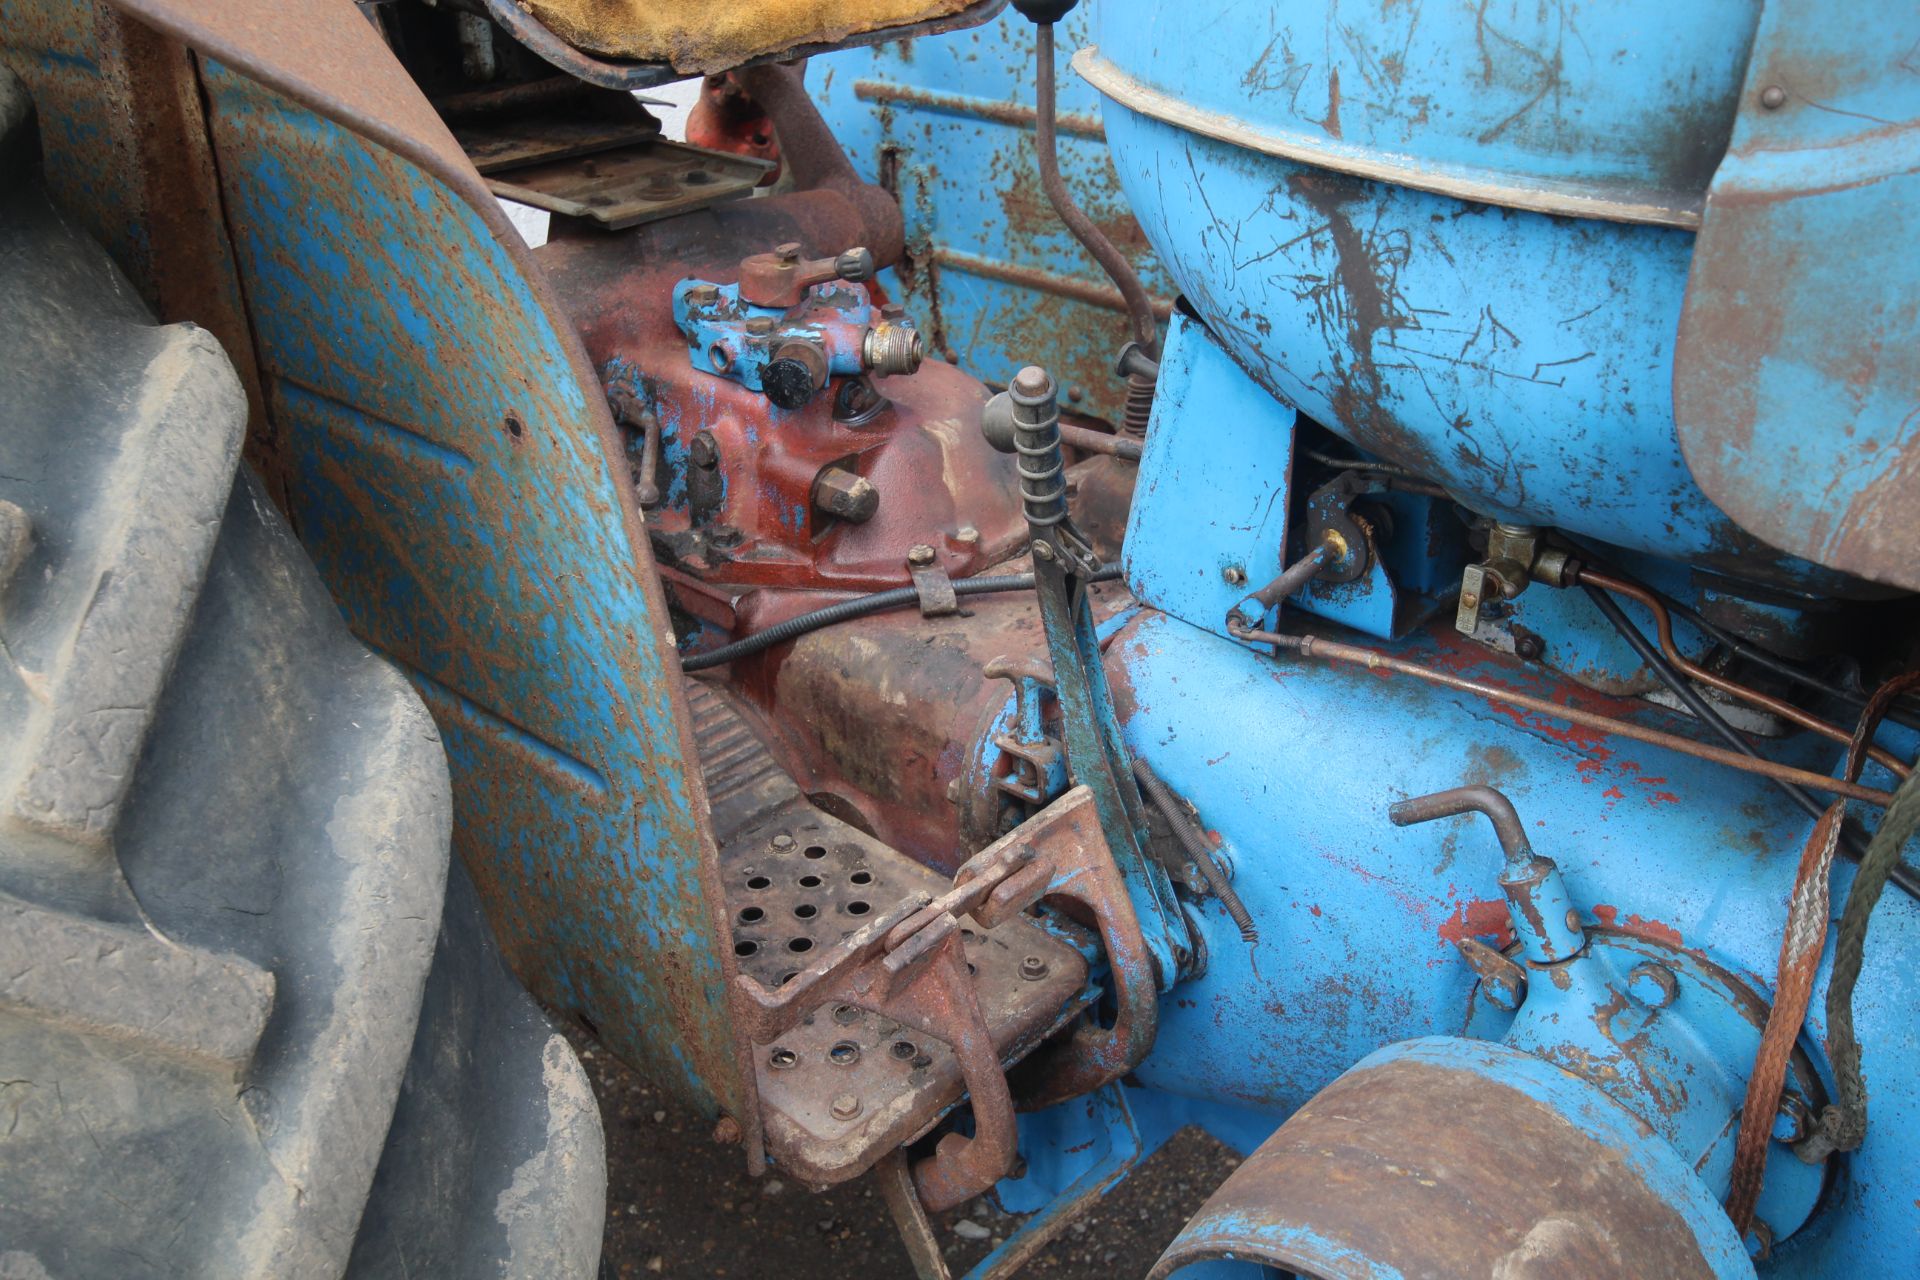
column 752, row 915
column 800, row 944
column 858, row 908
column 861, row 877
column 844, row 1054
column 809, row 882
column 782, row 1058
column 814, row 851
column 904, row 1050
column 758, row 882
column 806, row 911
column 745, row 948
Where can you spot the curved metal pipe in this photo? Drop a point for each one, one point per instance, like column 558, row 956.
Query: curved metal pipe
column 815, row 159
column 1484, row 800
column 1139, row 307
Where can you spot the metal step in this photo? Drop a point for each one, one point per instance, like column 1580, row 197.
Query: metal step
column 846, row 1086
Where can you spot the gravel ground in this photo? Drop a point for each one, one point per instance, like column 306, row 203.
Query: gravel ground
column 678, row 1204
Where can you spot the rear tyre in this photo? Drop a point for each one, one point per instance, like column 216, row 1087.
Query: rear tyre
column 235, row 1036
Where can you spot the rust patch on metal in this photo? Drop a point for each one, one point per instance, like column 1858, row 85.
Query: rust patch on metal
column 1438, row 1172
column 872, row 996
column 1016, row 114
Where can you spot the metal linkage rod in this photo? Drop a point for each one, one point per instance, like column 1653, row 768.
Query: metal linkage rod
column 1374, row 660
column 1194, row 841
column 1139, row 307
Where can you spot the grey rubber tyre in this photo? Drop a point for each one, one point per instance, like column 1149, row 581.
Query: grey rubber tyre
column 236, row 1037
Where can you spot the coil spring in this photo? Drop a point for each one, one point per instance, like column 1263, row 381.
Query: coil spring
column 1139, row 407
column 1042, row 467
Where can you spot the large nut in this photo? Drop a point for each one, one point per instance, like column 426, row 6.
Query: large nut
column 846, row 496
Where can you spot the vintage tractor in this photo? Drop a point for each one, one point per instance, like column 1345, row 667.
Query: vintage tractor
column 1343, row 574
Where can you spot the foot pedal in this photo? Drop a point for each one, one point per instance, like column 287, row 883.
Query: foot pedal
column 845, row 1086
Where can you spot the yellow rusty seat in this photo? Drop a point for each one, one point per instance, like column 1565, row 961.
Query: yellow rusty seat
column 714, row 35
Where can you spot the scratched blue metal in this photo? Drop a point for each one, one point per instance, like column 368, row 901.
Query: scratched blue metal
column 1219, row 467
column 1625, row 104
column 1071, row 1155
column 1208, row 523
column 1359, row 919
column 1521, row 357
column 1799, row 347
column 947, row 123
column 1680, row 1068
column 445, row 473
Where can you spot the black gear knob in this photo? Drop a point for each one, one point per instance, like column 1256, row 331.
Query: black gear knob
column 1044, row 11
column 787, row 383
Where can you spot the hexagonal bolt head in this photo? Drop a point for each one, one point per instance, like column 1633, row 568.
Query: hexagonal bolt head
column 920, row 556
column 702, row 451
column 760, row 326
column 846, row 496
column 789, row 252
column 1794, row 1119
column 1033, row 968
column 845, row 1107
column 703, row 295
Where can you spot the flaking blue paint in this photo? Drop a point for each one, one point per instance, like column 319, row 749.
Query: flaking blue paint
column 445, row 476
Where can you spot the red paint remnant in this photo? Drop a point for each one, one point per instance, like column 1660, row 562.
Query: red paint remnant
column 1614, row 793
column 1314, row 910
column 1482, row 918
column 1652, row 930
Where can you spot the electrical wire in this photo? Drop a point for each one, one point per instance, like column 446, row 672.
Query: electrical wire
column 1904, row 876
column 859, row 607
column 1752, row 653
column 1663, row 626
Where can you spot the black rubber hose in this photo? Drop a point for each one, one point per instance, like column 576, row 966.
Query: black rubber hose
column 1904, row 876
column 859, row 607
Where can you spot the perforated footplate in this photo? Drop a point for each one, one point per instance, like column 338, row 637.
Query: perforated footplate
column 847, row 1086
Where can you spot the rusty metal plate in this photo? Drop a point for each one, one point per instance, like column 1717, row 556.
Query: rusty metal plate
column 448, row 461
column 1796, row 381
column 846, row 1085
column 1454, row 1159
column 628, row 185
column 498, row 144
